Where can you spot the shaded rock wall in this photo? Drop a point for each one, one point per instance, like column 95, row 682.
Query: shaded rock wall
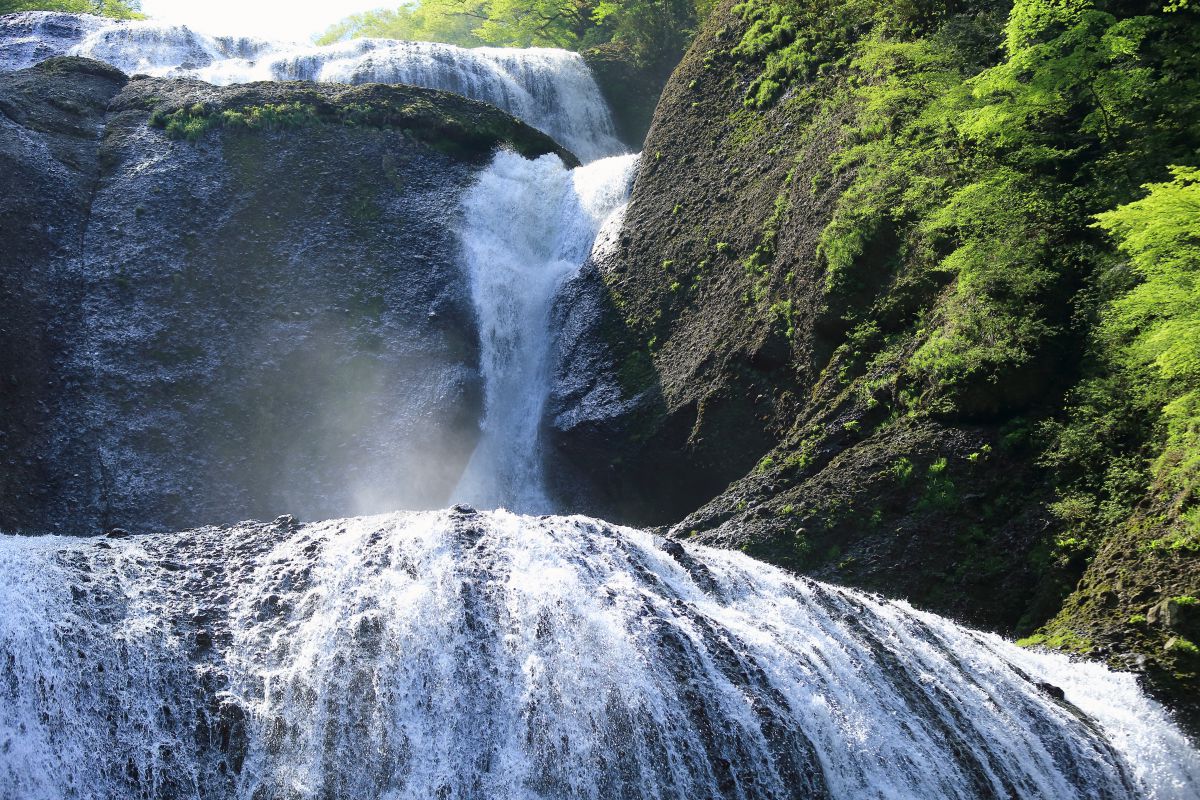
column 259, row 321
column 731, row 396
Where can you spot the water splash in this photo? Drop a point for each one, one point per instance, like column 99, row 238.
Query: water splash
column 527, row 227
column 552, row 90
column 465, row 655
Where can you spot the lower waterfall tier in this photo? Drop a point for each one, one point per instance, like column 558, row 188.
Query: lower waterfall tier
column 461, row 654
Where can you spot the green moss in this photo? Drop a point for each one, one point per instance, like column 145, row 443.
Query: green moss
column 636, row 373
column 792, row 42
column 757, row 264
column 445, row 124
column 902, row 470
column 1181, row 646
column 1065, row 640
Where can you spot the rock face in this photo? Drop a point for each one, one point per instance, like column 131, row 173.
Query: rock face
column 716, row 385
column 267, row 318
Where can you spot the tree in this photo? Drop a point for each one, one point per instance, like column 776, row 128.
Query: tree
column 115, row 9
column 654, row 31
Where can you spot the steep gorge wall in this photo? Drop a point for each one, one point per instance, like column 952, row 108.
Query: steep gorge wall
column 784, row 335
column 232, row 303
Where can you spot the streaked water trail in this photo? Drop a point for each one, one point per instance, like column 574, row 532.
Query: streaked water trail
column 488, row 655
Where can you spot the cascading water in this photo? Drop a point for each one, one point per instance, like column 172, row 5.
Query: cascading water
column 485, row 655
column 550, row 89
column 463, row 654
column 527, row 227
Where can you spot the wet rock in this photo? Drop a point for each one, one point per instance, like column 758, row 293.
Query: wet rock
column 1164, row 614
column 150, row 323
column 286, row 521
column 1051, row 690
column 672, row 548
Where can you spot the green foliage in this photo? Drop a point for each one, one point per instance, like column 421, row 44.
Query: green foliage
column 901, row 470
column 434, row 21
column 1011, row 231
column 652, row 30
column 1181, row 646
column 1151, row 333
column 115, row 9
column 193, row 122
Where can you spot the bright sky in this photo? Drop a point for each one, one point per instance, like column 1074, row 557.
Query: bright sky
column 268, row 19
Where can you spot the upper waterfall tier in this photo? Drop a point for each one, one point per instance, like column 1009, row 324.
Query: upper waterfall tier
column 553, row 90
column 468, row 655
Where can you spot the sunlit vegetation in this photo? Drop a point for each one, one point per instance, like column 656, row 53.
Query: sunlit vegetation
column 651, row 29
column 1036, row 166
column 116, row 9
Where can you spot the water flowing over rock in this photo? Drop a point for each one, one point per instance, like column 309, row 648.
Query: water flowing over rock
column 256, row 322
column 550, row 89
column 327, row 316
column 527, row 227
column 485, row 655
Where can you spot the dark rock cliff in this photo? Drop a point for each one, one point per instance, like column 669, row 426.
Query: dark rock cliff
column 232, row 303
column 710, row 381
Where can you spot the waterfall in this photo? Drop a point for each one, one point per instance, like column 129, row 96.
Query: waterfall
column 552, row 90
column 527, row 227
column 486, row 655
column 467, row 655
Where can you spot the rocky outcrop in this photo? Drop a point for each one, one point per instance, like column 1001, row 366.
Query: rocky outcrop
column 51, row 121
column 232, row 302
column 631, row 89
column 736, row 396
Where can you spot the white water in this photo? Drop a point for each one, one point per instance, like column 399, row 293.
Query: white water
column 527, row 227
column 550, row 89
column 462, row 655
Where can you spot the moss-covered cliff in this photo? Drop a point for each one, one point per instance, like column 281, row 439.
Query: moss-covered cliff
column 867, row 319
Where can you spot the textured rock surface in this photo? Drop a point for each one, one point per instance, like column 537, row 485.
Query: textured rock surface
column 735, row 408
column 257, row 322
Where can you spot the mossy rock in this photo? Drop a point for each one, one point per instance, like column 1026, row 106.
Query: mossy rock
column 188, row 109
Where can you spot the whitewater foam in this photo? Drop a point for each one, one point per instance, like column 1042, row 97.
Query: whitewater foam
column 488, row 655
column 527, row 227
column 552, row 90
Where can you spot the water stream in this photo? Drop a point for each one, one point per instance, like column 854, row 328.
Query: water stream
column 527, row 227
column 488, row 655
column 466, row 654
